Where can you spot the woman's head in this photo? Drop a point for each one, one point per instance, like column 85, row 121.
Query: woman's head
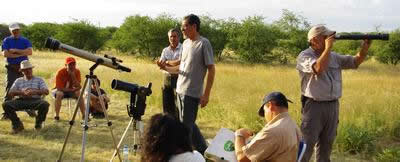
column 164, row 137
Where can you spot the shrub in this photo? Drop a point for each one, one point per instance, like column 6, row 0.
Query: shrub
column 389, row 155
column 354, row 139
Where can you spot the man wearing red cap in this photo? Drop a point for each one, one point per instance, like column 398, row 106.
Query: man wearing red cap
column 68, row 85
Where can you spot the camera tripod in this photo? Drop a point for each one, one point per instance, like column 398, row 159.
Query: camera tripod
column 90, row 79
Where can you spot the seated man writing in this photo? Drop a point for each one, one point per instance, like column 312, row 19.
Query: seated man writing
column 278, row 140
column 29, row 90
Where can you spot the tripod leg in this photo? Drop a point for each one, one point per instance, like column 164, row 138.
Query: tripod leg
column 71, row 123
column 101, row 99
column 85, row 126
column 121, row 140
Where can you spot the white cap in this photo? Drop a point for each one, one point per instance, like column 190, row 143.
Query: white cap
column 318, row 30
column 13, row 26
column 26, row 65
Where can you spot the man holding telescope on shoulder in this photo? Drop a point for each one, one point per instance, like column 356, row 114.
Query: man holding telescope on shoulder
column 320, row 72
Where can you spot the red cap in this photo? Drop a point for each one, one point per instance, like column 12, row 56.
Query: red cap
column 69, row 60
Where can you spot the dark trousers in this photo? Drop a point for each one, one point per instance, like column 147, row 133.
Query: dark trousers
column 10, row 107
column 12, row 74
column 319, row 127
column 169, row 95
column 188, row 107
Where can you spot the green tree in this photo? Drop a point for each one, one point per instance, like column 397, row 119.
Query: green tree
column 253, row 40
column 82, row 35
column 216, row 32
column 143, row 35
column 293, row 38
column 389, row 52
column 4, row 31
column 37, row 33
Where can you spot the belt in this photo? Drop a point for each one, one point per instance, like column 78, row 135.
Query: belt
column 304, row 98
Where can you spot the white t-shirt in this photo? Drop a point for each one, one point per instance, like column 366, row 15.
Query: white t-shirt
column 187, row 156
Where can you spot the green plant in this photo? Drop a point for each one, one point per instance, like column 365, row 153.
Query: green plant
column 389, row 155
column 396, row 130
column 355, row 139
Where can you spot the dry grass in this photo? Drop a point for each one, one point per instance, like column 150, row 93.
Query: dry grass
column 238, row 89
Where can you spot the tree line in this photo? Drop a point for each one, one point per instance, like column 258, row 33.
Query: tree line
column 250, row 40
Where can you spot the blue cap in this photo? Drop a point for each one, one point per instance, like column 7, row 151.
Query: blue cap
column 279, row 99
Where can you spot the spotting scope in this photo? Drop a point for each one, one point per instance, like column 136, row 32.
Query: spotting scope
column 362, row 36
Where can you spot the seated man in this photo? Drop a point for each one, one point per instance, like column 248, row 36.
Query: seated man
column 68, row 85
column 278, row 140
column 95, row 107
column 29, row 90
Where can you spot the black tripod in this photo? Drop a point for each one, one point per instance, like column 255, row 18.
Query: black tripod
column 135, row 111
column 90, row 79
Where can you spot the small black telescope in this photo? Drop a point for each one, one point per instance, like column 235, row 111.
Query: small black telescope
column 362, row 36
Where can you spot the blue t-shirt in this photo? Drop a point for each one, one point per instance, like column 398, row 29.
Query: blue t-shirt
column 16, row 43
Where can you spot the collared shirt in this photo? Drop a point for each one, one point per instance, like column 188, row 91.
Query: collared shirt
column 169, row 54
column 16, row 43
column 35, row 83
column 326, row 86
column 196, row 56
column 278, row 141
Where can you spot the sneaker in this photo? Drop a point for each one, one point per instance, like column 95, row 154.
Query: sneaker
column 31, row 113
column 4, row 117
column 18, row 129
column 57, row 118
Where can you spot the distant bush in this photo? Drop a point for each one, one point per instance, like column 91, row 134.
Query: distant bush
column 83, row 35
column 216, row 32
column 143, row 35
column 293, row 38
column 396, row 130
column 389, row 155
column 4, row 31
column 355, row 139
column 389, row 52
column 253, row 40
column 37, row 33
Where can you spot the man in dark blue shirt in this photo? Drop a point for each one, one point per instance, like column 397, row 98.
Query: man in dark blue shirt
column 16, row 49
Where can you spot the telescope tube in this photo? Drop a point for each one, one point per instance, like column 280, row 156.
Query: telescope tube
column 362, row 36
column 57, row 45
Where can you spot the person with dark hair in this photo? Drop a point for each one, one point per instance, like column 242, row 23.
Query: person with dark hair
column 278, row 140
column 171, row 57
column 16, row 49
column 320, row 71
column 95, row 107
column 166, row 139
column 197, row 60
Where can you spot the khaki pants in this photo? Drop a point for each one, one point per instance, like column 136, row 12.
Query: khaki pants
column 319, row 127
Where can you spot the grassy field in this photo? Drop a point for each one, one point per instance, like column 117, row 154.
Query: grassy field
column 369, row 112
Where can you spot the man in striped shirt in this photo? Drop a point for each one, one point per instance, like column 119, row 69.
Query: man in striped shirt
column 28, row 91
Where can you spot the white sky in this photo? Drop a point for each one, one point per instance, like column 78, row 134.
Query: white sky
column 340, row 15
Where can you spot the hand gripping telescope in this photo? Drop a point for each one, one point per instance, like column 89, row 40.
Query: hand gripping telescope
column 362, row 36
column 108, row 61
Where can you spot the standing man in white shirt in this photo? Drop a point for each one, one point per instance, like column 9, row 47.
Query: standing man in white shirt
column 171, row 57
